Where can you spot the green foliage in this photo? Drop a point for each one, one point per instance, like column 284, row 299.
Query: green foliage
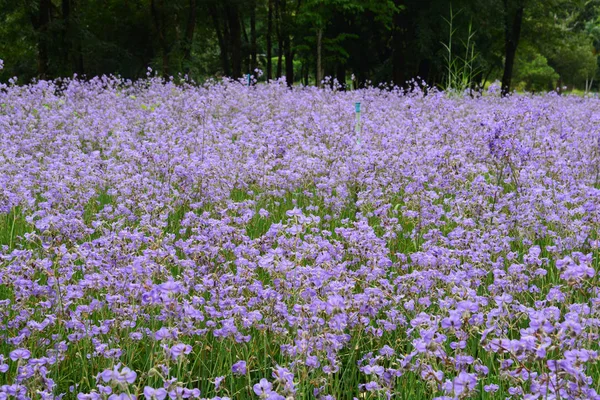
column 574, row 59
column 17, row 40
column 460, row 71
column 112, row 43
column 564, row 33
column 533, row 72
column 375, row 40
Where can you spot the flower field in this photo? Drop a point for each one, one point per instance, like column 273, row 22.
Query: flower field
column 223, row 241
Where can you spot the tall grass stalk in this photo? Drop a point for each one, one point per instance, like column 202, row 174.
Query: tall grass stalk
column 460, row 71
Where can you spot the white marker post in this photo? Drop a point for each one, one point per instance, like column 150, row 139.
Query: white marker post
column 357, row 124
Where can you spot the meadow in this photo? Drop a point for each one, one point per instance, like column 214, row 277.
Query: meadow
column 163, row 240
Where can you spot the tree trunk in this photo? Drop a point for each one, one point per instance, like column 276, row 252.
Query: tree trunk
column 253, row 47
column 66, row 35
column 512, row 33
column 76, row 49
column 223, row 44
column 235, row 31
column 289, row 62
column 72, row 57
column 398, row 46
column 189, row 35
column 319, row 72
column 42, row 31
column 244, row 34
column 279, row 38
column 269, row 43
column 159, row 24
column 246, row 61
column 287, row 45
column 486, row 76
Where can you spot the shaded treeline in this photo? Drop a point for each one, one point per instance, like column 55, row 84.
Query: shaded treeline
column 539, row 43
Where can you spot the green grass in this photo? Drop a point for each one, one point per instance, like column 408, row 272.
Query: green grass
column 12, row 226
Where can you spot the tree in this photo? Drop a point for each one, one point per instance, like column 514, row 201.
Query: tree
column 334, row 26
column 189, row 33
column 375, row 40
column 513, row 19
column 235, row 37
column 533, row 71
column 41, row 23
column 269, row 40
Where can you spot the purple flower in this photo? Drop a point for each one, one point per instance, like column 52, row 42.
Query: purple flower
column 170, row 287
column 122, row 396
column 463, row 383
column 312, row 361
column 162, row 334
column 85, row 396
column 491, row 388
column 386, row 351
column 19, row 354
column 124, row 375
column 263, row 389
column 218, row 381
column 453, row 321
column 154, row 394
column 179, row 350
column 282, row 374
column 295, row 212
column 373, row 370
column 185, row 213
column 193, row 393
column 106, row 375
column 239, row 368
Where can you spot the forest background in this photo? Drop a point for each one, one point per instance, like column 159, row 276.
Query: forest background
column 534, row 45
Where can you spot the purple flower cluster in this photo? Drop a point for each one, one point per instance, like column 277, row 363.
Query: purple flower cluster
column 164, row 240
